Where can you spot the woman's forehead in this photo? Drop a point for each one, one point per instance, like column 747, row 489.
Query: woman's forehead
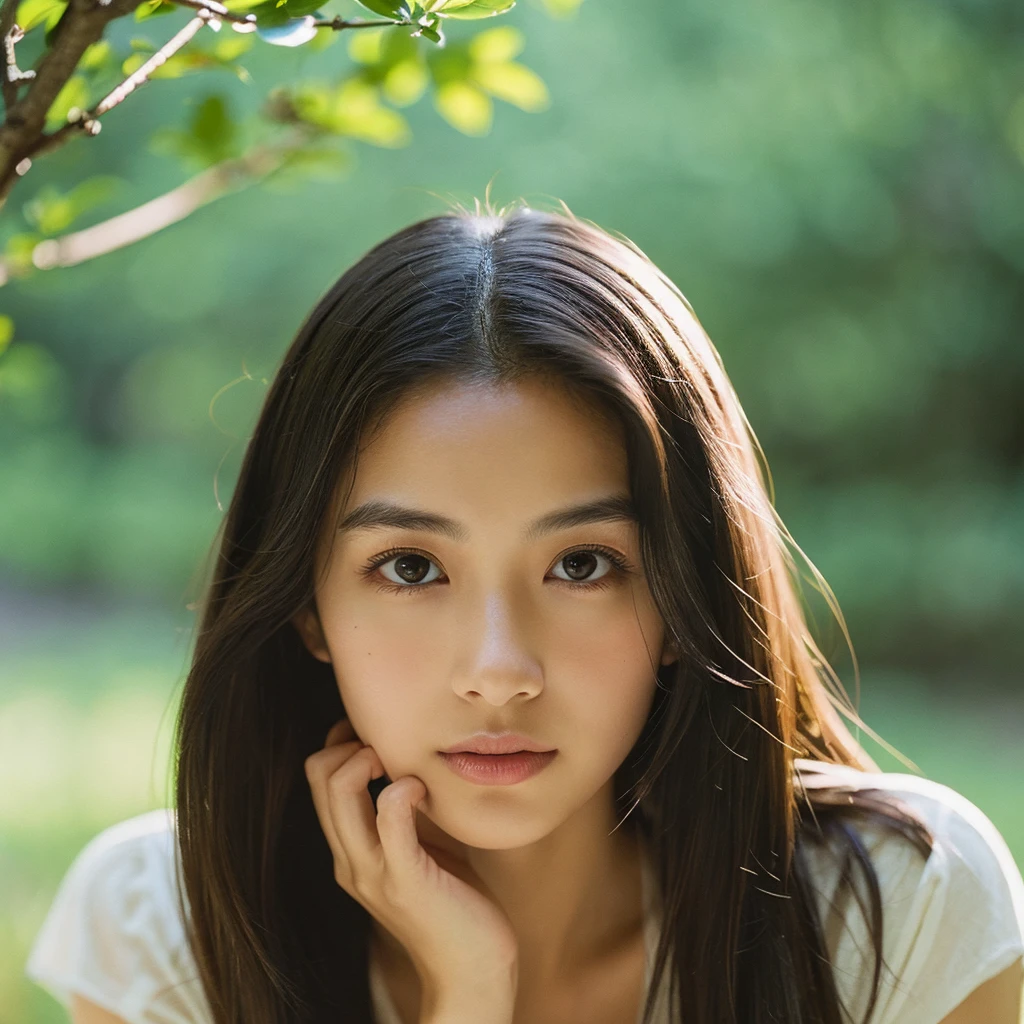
column 483, row 430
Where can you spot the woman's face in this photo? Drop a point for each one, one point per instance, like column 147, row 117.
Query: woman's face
column 499, row 628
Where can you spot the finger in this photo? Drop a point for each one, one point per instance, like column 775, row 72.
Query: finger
column 320, row 766
column 341, row 731
column 351, row 810
column 396, row 824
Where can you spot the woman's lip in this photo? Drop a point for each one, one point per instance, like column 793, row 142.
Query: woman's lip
column 498, row 769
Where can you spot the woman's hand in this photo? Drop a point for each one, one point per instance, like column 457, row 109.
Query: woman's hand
column 459, row 940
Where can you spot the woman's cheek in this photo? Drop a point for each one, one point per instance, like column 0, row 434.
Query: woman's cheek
column 382, row 672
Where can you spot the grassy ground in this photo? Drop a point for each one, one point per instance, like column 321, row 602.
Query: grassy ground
column 85, row 722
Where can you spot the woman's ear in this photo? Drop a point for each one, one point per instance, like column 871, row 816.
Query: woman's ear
column 668, row 654
column 307, row 622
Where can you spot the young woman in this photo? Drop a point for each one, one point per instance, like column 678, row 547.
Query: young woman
column 502, row 497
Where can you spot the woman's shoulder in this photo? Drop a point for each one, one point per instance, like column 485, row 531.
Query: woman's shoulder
column 952, row 916
column 115, row 933
column 964, row 839
column 142, row 840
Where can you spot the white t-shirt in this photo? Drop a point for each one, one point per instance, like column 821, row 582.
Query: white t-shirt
column 114, row 933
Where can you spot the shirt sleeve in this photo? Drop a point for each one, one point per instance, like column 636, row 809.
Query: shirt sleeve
column 950, row 922
column 114, row 933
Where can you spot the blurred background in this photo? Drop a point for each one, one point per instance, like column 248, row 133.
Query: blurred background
column 838, row 189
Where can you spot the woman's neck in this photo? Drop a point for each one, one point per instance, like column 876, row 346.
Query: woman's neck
column 574, row 898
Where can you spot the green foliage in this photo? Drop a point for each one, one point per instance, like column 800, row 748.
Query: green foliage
column 32, row 384
column 39, row 12
column 6, row 332
column 223, row 55
column 280, row 13
column 390, row 70
column 353, row 108
column 51, row 211
column 74, row 94
column 211, row 136
column 154, row 8
column 387, row 8
column 474, row 8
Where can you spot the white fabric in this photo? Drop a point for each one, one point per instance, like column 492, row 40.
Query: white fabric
column 114, row 932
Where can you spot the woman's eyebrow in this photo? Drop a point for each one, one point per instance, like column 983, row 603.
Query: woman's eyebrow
column 376, row 514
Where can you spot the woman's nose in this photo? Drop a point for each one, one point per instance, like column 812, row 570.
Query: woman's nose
column 500, row 659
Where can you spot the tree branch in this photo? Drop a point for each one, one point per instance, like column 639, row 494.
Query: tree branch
column 221, row 11
column 340, row 23
column 134, row 225
column 22, row 137
column 87, row 121
column 82, row 25
column 8, row 85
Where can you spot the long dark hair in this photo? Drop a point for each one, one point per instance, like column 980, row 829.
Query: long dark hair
column 494, row 295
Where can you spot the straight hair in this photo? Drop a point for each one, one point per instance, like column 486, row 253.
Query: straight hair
column 720, row 783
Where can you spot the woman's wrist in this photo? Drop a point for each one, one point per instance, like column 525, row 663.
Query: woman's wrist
column 477, row 1004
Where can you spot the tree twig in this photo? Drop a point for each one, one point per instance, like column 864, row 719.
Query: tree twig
column 8, row 86
column 81, row 25
column 221, row 11
column 132, row 226
column 88, row 120
column 22, row 138
column 340, row 23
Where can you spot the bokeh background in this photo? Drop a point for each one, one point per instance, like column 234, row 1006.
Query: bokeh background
column 837, row 188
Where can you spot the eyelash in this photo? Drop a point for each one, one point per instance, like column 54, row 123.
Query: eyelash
column 620, row 567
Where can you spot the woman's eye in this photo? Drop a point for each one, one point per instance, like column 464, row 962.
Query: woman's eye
column 410, row 569
column 580, row 566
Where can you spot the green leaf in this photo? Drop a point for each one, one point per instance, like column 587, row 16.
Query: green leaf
column 562, row 8
column 497, row 45
column 433, row 34
column 353, row 109
column 96, row 56
column 278, row 13
column 406, row 82
column 49, row 211
column 233, row 46
column 171, row 142
column 18, row 253
column 74, row 93
column 241, row 6
column 479, row 9
column 132, row 64
column 452, row 64
column 513, row 83
column 52, row 211
column 153, row 8
column 6, row 332
column 358, row 112
column 212, row 136
column 93, row 191
column 34, row 12
column 367, row 45
column 213, row 131
column 464, row 107
column 386, row 8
